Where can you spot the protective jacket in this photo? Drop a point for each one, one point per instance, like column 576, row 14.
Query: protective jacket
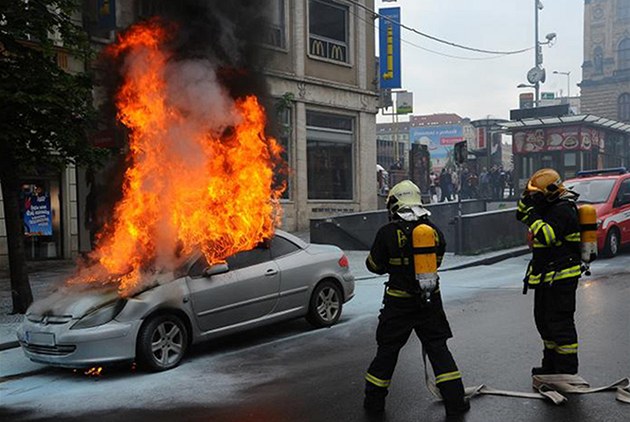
column 392, row 252
column 555, row 228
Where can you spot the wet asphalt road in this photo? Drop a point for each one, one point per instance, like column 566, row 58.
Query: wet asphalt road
column 291, row 372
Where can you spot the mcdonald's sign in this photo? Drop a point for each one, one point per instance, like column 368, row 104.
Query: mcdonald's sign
column 337, row 53
column 318, row 48
column 389, row 47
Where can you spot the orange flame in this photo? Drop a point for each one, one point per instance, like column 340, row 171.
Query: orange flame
column 200, row 177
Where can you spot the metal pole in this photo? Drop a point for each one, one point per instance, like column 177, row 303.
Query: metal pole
column 569, row 84
column 536, row 52
column 460, row 234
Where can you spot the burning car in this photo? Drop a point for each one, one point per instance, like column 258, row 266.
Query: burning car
column 280, row 279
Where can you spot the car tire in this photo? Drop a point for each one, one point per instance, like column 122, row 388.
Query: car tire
column 162, row 343
column 325, row 305
column 611, row 247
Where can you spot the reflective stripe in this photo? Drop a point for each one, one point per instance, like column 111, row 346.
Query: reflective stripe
column 550, row 235
column 397, row 293
column 548, row 232
column 398, row 261
column 377, row 381
column 574, row 271
column 567, row 349
column 573, row 237
column 536, row 225
column 523, row 208
column 449, row 376
column 372, row 263
column 549, row 344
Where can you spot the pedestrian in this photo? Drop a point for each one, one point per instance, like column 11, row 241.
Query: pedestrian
column 510, row 183
column 484, row 184
column 409, row 305
column 445, row 185
column 550, row 212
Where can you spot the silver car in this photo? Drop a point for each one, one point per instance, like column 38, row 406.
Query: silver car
column 284, row 278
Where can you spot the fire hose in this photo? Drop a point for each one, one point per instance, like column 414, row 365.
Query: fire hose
column 548, row 387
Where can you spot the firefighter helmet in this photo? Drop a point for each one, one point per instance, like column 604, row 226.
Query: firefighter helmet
column 404, row 199
column 546, row 181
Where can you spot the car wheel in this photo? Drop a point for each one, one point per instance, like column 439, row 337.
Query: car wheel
column 162, row 343
column 611, row 247
column 325, row 306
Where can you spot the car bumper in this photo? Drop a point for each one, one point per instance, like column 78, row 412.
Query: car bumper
column 348, row 286
column 57, row 345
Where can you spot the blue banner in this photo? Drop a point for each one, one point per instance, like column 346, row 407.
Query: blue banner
column 106, row 14
column 389, row 47
column 37, row 215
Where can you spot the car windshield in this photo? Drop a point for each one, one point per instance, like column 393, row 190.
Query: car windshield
column 592, row 191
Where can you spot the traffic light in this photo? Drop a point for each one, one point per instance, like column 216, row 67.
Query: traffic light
column 461, row 152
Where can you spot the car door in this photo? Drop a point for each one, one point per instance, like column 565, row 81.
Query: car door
column 622, row 209
column 247, row 291
column 295, row 280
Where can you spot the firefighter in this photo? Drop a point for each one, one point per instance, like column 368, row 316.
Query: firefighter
column 409, row 304
column 550, row 212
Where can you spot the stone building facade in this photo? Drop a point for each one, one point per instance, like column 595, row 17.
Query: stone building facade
column 605, row 86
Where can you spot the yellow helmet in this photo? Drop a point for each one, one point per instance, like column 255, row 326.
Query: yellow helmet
column 547, row 182
column 405, row 198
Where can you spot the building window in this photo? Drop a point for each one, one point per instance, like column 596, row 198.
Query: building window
column 623, row 54
column 275, row 31
column 150, row 8
column 623, row 107
column 282, row 171
column 598, row 60
column 623, row 9
column 328, row 30
column 329, row 150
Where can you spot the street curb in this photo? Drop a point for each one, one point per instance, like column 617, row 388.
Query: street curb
column 484, row 261
column 492, row 259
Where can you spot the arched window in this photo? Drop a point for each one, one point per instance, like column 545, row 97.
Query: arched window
column 623, row 9
column 623, row 54
column 598, row 60
column 623, row 107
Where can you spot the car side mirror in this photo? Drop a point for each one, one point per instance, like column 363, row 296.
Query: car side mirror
column 216, row 269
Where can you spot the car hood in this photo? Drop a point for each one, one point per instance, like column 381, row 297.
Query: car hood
column 73, row 303
column 77, row 301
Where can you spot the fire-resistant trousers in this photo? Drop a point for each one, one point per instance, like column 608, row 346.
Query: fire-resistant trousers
column 554, row 307
column 397, row 319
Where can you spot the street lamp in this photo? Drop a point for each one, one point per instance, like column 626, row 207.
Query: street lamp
column 568, row 75
column 536, row 74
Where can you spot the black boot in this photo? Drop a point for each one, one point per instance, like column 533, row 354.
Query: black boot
column 541, row 370
column 455, row 403
column 374, row 401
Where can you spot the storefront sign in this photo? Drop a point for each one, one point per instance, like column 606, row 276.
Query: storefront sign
column 37, row 215
column 567, row 138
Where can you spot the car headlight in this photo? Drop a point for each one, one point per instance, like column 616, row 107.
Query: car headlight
column 101, row 315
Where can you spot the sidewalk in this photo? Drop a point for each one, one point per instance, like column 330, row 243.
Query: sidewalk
column 44, row 277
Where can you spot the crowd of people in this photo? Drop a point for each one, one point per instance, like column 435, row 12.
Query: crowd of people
column 495, row 184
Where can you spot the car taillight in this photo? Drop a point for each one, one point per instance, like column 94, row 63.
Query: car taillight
column 343, row 261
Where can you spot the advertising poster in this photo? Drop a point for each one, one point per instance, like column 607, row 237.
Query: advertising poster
column 567, row 138
column 37, row 214
column 404, row 102
column 438, row 139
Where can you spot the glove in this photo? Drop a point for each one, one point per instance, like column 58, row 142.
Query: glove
column 526, row 211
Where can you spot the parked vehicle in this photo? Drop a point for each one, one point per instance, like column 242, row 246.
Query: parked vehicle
column 284, row 278
column 608, row 191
